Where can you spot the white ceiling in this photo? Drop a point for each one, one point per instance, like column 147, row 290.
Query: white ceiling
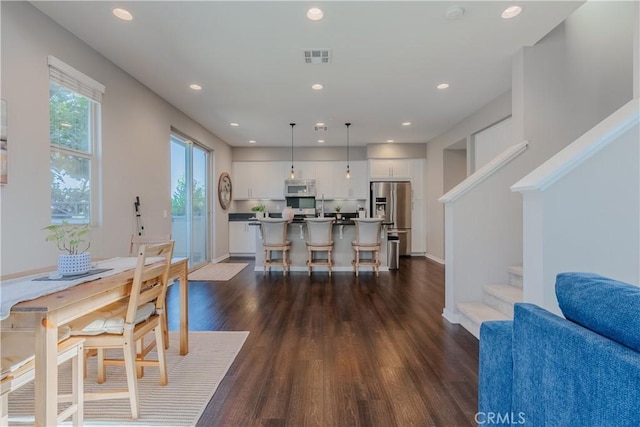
column 387, row 58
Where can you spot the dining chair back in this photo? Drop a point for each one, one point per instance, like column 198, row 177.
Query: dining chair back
column 125, row 323
column 136, row 241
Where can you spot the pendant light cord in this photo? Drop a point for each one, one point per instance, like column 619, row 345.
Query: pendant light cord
column 348, row 172
column 292, row 170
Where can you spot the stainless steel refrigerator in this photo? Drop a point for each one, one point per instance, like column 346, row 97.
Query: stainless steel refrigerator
column 391, row 200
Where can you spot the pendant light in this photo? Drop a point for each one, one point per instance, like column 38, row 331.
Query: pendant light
column 293, row 174
column 348, row 171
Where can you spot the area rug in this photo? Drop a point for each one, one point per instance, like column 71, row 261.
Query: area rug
column 221, row 271
column 193, row 380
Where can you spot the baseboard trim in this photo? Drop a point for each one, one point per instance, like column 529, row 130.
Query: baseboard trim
column 451, row 317
column 220, row 259
column 435, row 258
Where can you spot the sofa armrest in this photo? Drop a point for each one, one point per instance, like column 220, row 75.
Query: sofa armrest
column 495, row 371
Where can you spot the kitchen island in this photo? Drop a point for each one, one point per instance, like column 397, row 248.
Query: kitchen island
column 343, row 235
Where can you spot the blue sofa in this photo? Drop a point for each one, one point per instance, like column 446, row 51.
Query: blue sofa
column 581, row 370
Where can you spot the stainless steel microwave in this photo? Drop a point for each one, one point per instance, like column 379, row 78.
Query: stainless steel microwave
column 300, row 187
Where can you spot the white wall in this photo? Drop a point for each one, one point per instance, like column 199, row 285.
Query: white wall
column 587, row 220
column 455, row 168
column 492, row 141
column 577, row 75
column 135, row 145
column 592, row 217
column 263, row 154
column 574, row 77
column 493, row 112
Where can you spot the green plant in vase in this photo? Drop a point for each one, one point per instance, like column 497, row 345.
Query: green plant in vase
column 338, row 208
column 72, row 240
column 259, row 210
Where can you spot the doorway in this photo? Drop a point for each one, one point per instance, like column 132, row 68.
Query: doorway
column 189, row 199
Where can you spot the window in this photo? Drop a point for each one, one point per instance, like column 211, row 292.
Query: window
column 74, row 108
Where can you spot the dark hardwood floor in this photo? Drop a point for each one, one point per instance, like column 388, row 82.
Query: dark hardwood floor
column 344, row 351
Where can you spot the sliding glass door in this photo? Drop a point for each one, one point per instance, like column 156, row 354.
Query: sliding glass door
column 189, row 199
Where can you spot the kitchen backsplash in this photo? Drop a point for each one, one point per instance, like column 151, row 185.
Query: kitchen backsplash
column 240, row 206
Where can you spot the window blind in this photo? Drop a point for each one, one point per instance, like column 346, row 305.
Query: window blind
column 69, row 77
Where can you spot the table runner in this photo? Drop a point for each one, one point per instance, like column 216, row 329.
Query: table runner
column 26, row 288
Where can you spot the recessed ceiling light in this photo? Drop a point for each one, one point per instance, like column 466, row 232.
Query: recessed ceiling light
column 195, row 86
column 315, row 14
column 316, row 86
column 321, row 141
column 123, row 14
column 511, row 12
column 443, row 85
column 320, row 124
column 390, row 140
column 406, row 124
column 234, row 124
column 251, row 141
column 454, row 12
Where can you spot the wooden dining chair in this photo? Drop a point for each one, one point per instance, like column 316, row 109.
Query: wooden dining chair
column 136, row 241
column 18, row 369
column 123, row 324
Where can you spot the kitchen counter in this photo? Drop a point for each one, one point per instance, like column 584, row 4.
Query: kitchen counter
column 347, row 218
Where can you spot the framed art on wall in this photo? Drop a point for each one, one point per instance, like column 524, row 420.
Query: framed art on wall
column 224, row 190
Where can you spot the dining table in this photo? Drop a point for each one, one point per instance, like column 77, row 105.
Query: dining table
column 46, row 313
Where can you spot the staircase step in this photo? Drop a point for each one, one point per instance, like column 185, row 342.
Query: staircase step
column 502, row 298
column 472, row 314
column 515, row 275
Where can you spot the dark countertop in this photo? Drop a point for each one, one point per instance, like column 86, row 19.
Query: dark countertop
column 347, row 218
column 242, row 216
column 250, row 216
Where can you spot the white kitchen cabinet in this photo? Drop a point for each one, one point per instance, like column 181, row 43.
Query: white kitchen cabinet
column 258, row 180
column 324, row 179
column 304, row 169
column 268, row 179
column 359, row 180
column 388, row 169
column 355, row 187
column 242, row 238
column 418, row 226
column 241, row 180
column 417, row 178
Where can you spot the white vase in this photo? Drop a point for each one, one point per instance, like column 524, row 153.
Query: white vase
column 259, row 215
column 287, row 213
column 69, row 265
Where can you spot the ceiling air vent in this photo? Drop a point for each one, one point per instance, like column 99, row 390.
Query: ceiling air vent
column 317, row 56
column 320, row 128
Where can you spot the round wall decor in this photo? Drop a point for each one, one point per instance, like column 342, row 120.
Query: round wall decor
column 224, row 190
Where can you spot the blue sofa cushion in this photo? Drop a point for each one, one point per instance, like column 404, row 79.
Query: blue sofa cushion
column 605, row 306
